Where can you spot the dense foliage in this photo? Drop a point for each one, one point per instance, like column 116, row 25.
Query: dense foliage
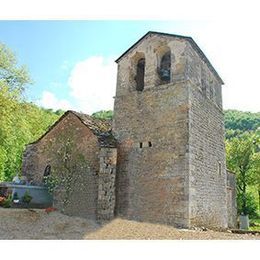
column 243, row 157
column 21, row 122
column 237, row 122
column 103, row 114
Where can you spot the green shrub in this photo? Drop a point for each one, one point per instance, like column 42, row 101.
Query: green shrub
column 7, row 202
column 254, row 224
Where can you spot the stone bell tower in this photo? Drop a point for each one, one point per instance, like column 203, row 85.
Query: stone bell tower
column 168, row 121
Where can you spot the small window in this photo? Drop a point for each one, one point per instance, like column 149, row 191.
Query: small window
column 140, row 75
column 203, row 87
column 150, row 144
column 165, row 67
column 47, row 171
column 211, row 93
column 219, row 168
column 141, row 145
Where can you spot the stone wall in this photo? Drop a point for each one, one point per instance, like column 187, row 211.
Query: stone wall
column 207, row 192
column 231, row 199
column 151, row 128
column 152, row 178
column 30, row 163
column 201, row 76
column 72, row 151
column 106, row 184
column 171, row 155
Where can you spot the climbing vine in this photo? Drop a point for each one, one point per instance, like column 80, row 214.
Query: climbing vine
column 68, row 167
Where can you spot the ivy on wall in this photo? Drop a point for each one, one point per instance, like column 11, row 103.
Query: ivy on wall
column 68, row 167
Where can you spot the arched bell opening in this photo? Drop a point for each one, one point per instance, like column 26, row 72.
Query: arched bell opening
column 164, row 65
column 140, row 71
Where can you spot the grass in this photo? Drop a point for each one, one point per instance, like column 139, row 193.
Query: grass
column 255, row 224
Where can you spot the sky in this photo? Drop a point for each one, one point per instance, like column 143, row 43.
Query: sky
column 72, row 63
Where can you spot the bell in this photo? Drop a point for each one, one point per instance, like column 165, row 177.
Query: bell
column 165, row 74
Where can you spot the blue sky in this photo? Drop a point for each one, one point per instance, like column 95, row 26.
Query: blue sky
column 72, row 62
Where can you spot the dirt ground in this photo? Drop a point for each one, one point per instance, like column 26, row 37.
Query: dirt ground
column 37, row 224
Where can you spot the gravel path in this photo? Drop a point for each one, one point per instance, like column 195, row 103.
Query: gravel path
column 37, row 224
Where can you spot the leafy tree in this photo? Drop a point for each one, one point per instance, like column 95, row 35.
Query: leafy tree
column 13, row 79
column 21, row 122
column 244, row 159
column 255, row 169
column 59, row 112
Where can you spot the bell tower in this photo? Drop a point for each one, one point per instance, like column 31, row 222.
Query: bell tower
column 169, row 125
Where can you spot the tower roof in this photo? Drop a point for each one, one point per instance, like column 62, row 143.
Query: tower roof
column 187, row 38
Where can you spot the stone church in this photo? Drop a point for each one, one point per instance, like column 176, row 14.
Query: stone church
column 162, row 159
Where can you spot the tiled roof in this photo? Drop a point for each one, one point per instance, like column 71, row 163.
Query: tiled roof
column 100, row 127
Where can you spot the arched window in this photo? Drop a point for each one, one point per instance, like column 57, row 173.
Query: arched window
column 47, row 171
column 165, row 67
column 139, row 78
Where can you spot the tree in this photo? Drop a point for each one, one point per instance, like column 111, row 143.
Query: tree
column 243, row 158
column 13, row 79
column 255, row 168
column 103, row 114
column 21, row 122
column 239, row 121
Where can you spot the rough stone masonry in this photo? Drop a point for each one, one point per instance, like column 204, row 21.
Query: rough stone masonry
column 168, row 122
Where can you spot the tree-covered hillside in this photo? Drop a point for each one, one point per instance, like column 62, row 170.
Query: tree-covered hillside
column 237, row 122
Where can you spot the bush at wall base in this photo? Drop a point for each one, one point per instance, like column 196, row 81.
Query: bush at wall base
column 27, row 197
column 6, row 202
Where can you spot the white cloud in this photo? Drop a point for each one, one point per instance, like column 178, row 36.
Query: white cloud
column 92, row 83
column 236, row 57
column 49, row 100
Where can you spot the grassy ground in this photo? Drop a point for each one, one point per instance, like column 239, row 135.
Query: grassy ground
column 255, row 224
